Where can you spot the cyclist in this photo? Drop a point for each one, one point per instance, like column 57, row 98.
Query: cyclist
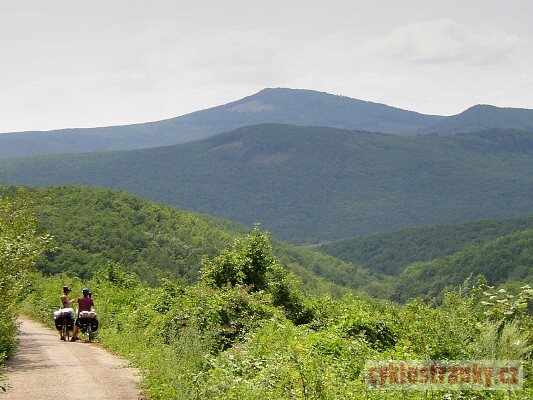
column 65, row 303
column 85, row 304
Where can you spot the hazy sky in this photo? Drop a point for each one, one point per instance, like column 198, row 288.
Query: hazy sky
column 112, row 62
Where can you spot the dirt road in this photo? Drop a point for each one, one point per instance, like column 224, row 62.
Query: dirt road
column 47, row 368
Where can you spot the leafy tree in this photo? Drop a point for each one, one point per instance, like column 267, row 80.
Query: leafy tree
column 501, row 305
column 251, row 263
column 20, row 245
column 116, row 274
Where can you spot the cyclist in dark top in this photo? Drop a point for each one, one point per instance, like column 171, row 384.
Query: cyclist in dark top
column 85, row 304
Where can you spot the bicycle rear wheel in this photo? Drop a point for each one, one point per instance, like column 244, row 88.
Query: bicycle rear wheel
column 88, row 331
column 64, row 329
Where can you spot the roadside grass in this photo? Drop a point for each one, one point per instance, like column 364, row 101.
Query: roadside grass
column 173, row 335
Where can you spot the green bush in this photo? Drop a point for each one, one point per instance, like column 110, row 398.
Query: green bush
column 232, row 341
column 251, row 263
column 20, row 245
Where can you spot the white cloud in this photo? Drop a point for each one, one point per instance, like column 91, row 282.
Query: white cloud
column 246, row 55
column 445, row 41
column 67, row 64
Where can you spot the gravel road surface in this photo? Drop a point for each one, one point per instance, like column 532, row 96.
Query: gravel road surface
column 47, row 368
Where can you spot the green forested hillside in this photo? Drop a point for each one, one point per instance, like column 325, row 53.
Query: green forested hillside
column 20, row 245
column 224, row 338
column 310, row 184
column 94, row 227
column 481, row 117
column 391, row 252
column 244, row 329
column 505, row 260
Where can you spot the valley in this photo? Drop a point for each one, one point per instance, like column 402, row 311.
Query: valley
column 270, row 247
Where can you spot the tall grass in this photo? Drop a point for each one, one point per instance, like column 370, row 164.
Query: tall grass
column 170, row 333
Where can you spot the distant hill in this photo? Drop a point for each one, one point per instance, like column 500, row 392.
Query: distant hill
column 91, row 227
column 288, row 106
column 483, row 117
column 94, row 227
column 505, row 260
column 312, row 184
column 391, row 252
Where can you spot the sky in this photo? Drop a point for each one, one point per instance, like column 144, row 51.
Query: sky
column 69, row 64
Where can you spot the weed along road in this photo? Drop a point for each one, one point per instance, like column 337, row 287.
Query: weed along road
column 47, row 368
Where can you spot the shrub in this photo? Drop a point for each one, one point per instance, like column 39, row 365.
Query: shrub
column 20, row 245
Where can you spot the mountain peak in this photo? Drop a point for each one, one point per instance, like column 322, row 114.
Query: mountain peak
column 301, row 107
column 480, row 108
column 483, row 117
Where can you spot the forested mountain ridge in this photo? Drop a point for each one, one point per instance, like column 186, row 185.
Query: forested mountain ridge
column 273, row 105
column 482, row 117
column 97, row 229
column 391, row 252
column 94, row 227
column 506, row 260
column 244, row 330
column 288, row 106
column 310, row 184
